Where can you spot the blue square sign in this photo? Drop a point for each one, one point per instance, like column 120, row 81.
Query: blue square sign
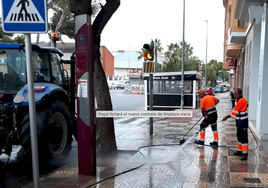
column 24, row 16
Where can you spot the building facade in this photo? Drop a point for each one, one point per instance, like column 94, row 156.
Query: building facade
column 251, row 62
column 107, row 61
column 127, row 63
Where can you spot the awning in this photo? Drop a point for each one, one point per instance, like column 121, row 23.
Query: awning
column 233, row 50
column 237, row 37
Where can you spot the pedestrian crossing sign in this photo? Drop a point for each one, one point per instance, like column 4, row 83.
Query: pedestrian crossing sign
column 24, row 16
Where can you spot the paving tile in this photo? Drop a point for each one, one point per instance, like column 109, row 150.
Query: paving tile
column 239, row 167
column 218, row 185
column 219, row 167
column 197, row 176
column 257, row 168
column 236, row 178
column 199, row 166
column 262, row 176
column 219, row 178
column 194, row 185
column 171, row 181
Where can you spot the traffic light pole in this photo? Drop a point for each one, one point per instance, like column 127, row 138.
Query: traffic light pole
column 151, row 103
column 149, row 59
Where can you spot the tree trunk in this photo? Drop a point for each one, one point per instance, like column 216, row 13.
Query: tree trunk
column 60, row 21
column 102, row 94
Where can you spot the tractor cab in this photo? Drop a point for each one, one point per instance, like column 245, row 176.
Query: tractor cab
column 54, row 103
column 46, row 65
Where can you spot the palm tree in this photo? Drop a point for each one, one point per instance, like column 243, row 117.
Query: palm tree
column 174, row 51
column 188, row 50
column 141, row 52
column 171, row 65
column 157, row 48
column 192, row 64
column 4, row 37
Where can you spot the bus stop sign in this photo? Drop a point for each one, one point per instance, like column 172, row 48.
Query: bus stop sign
column 24, row 16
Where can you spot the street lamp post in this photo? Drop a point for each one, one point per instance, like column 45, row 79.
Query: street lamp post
column 182, row 61
column 128, row 60
column 206, row 55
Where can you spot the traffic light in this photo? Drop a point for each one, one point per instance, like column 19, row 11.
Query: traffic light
column 149, row 55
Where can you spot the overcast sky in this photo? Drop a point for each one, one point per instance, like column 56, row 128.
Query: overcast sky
column 137, row 22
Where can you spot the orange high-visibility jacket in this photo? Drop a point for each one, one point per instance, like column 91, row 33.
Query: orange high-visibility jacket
column 240, row 113
column 208, row 103
column 240, row 109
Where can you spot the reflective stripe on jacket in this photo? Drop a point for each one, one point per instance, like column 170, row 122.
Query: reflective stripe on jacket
column 240, row 110
column 208, row 103
column 240, row 113
column 211, row 110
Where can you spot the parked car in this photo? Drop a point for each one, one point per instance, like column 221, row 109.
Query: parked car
column 121, row 84
column 210, row 91
column 218, row 89
column 224, row 86
column 111, row 85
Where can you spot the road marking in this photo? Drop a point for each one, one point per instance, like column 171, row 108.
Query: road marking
column 135, row 121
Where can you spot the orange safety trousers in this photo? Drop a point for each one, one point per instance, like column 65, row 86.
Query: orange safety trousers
column 215, row 135
column 210, row 120
column 242, row 147
column 242, row 140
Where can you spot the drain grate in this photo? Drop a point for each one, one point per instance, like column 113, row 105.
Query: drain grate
column 252, row 180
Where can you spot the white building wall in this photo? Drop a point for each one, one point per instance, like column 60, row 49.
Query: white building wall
column 247, row 65
column 120, row 71
column 254, row 36
column 262, row 101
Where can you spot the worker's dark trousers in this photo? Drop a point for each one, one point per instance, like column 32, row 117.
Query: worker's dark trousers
column 242, row 140
column 210, row 119
column 233, row 103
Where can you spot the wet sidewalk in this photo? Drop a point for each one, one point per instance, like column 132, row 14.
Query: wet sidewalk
column 166, row 164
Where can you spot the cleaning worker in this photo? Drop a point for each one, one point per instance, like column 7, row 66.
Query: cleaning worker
column 240, row 114
column 209, row 111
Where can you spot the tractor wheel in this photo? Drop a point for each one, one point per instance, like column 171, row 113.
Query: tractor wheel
column 53, row 133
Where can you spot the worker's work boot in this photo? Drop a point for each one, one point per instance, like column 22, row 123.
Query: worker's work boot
column 244, row 157
column 215, row 144
column 200, row 142
column 238, row 153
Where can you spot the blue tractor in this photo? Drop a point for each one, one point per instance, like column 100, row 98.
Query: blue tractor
column 54, row 102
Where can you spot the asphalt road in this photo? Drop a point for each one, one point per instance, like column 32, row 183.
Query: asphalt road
column 126, row 102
